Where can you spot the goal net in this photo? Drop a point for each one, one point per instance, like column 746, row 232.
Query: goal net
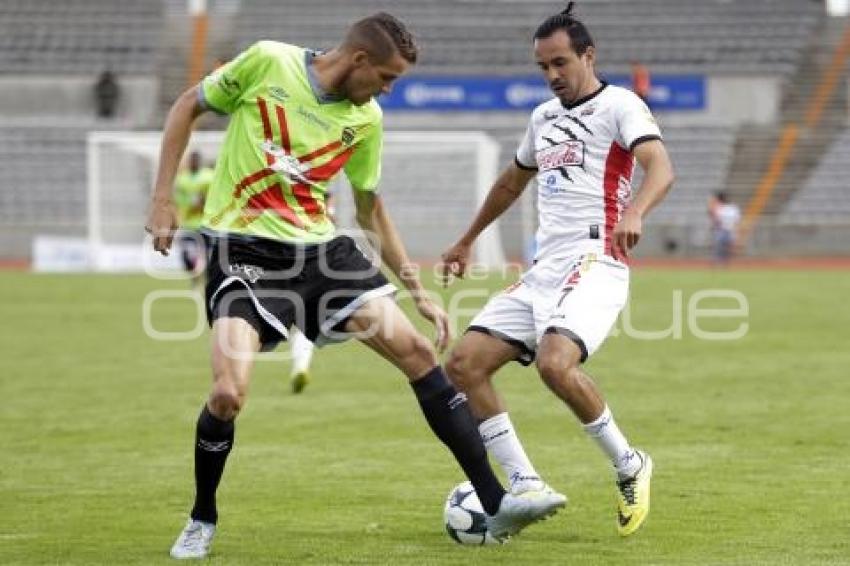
column 432, row 184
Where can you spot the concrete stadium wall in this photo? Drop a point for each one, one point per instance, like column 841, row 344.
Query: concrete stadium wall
column 32, row 98
column 735, row 100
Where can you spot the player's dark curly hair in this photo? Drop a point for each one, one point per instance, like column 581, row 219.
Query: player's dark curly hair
column 381, row 35
column 580, row 37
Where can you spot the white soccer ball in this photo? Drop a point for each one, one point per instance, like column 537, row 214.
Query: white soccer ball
column 464, row 517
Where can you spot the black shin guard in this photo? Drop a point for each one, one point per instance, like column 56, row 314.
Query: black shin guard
column 451, row 420
column 213, row 441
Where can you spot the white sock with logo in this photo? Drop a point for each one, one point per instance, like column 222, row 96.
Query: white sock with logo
column 503, row 445
column 301, row 349
column 608, row 437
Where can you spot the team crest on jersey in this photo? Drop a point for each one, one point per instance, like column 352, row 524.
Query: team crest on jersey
column 565, row 154
column 348, row 134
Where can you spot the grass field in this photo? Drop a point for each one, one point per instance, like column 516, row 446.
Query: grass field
column 749, row 438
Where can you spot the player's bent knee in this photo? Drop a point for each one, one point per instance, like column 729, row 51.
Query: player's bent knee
column 555, row 369
column 225, row 401
column 462, row 372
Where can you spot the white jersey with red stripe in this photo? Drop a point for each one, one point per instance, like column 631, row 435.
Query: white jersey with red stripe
column 582, row 155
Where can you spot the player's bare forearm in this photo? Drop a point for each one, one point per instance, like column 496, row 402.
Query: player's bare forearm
column 504, row 192
column 373, row 216
column 658, row 176
column 162, row 219
column 175, row 138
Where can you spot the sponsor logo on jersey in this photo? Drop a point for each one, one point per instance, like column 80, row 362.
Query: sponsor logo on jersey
column 588, row 111
column 565, row 154
column 278, row 93
column 550, row 115
column 313, row 118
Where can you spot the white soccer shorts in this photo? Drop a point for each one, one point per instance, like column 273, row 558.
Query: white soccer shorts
column 579, row 297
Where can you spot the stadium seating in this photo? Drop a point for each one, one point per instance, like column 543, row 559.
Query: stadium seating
column 79, row 37
column 766, row 36
column 824, row 198
column 44, row 177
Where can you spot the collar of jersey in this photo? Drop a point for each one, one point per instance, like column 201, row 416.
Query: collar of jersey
column 590, row 96
column 322, row 96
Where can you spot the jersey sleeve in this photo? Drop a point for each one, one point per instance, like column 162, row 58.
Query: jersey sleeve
column 635, row 122
column 525, row 158
column 221, row 90
column 364, row 168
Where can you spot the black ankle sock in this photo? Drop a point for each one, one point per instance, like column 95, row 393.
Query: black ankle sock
column 213, row 441
column 451, row 420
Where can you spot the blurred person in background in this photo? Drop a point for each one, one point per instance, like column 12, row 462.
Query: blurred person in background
column 106, row 94
column 641, row 81
column 300, row 347
column 190, row 195
column 725, row 217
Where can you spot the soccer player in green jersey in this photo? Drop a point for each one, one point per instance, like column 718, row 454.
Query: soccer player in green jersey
column 297, row 118
column 190, row 193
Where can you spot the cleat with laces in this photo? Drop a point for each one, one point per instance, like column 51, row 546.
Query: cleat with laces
column 518, row 511
column 194, row 541
column 633, row 495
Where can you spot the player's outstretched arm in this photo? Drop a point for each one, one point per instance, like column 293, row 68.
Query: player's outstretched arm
column 372, row 216
column 507, row 189
column 162, row 219
column 657, row 180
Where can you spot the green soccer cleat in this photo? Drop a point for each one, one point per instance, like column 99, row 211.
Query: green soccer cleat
column 299, row 381
column 633, row 492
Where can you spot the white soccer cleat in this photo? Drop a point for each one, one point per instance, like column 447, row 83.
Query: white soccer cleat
column 194, row 541
column 518, row 511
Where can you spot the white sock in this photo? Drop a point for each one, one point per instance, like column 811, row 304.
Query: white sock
column 503, row 445
column 301, row 349
column 607, row 435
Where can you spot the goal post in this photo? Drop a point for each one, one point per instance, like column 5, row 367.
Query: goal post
column 432, row 183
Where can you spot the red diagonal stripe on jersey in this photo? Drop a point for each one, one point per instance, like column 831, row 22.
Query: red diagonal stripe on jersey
column 284, row 132
column 267, row 125
column 329, row 169
column 619, row 163
column 302, row 194
column 272, row 199
column 321, row 151
column 250, row 180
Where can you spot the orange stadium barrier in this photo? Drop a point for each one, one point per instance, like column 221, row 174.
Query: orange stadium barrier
column 788, row 140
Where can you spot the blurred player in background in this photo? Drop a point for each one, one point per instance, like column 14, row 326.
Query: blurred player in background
column 725, row 217
column 297, row 118
column 300, row 347
column 580, row 147
column 190, row 194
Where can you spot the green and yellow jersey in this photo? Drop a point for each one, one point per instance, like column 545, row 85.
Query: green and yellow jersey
column 190, row 192
column 285, row 142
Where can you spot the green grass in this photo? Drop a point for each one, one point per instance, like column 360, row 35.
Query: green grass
column 749, row 438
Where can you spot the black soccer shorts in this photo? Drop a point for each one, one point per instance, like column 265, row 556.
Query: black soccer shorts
column 273, row 285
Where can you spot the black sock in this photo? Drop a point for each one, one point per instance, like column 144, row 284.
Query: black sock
column 213, row 441
column 451, row 420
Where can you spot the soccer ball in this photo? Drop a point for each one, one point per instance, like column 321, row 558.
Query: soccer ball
column 464, row 517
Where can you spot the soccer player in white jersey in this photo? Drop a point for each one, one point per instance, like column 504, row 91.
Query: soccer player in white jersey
column 580, row 147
